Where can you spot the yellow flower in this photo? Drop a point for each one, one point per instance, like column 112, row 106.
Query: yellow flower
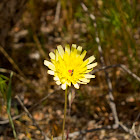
column 69, row 67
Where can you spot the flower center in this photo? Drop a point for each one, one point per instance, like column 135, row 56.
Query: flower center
column 70, row 72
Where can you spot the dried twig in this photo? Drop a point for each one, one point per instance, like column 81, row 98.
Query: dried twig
column 134, row 131
column 133, row 127
column 129, row 72
column 11, row 61
column 57, row 14
column 31, row 117
column 111, row 98
column 123, row 67
column 42, row 100
column 39, row 46
column 13, row 118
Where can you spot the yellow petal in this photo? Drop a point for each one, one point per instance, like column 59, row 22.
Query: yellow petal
column 91, row 65
column 85, row 80
column 58, row 82
column 60, row 50
column 63, row 80
column 84, row 64
column 52, row 55
column 89, row 76
column 47, row 63
column 76, row 86
column 79, row 49
column 91, row 59
column 83, row 54
column 73, row 50
column 87, row 71
column 56, row 78
column 52, row 67
column 50, row 72
column 56, row 55
column 64, row 86
column 67, row 49
column 69, row 84
column 73, row 46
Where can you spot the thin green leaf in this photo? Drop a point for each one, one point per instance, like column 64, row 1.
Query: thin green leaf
column 3, row 77
column 9, row 93
column 3, row 85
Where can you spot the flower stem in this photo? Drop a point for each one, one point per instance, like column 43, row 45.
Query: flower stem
column 65, row 111
column 12, row 124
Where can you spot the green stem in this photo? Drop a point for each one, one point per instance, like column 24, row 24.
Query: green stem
column 12, row 124
column 65, row 110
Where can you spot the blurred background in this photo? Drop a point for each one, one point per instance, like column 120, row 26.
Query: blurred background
column 29, row 30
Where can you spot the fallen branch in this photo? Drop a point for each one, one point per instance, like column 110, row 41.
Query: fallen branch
column 123, row 67
column 110, row 89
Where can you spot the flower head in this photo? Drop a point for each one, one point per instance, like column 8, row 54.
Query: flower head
column 68, row 67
